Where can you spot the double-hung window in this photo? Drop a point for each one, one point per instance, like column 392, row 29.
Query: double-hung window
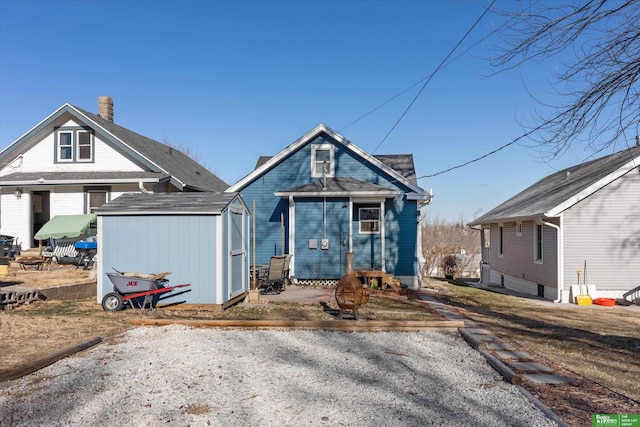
column 369, row 220
column 74, row 145
column 65, row 146
column 322, row 161
column 538, row 244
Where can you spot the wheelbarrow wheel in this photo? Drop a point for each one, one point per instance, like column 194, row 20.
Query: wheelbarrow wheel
column 112, row 302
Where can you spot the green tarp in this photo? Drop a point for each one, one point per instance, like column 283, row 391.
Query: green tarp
column 65, row 226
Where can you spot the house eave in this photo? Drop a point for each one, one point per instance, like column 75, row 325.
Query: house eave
column 37, row 183
column 322, row 128
column 335, row 194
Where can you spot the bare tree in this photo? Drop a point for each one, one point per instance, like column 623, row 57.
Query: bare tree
column 598, row 45
column 441, row 239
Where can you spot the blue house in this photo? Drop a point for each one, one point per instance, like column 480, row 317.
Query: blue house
column 323, row 196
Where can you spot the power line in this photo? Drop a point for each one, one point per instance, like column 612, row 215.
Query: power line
column 419, row 81
column 440, row 66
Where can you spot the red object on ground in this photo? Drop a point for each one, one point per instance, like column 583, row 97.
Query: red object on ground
column 605, row 301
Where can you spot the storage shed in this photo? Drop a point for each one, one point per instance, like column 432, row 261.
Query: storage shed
column 201, row 238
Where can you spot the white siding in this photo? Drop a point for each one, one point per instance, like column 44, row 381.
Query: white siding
column 67, row 201
column 12, row 211
column 41, row 158
column 604, row 231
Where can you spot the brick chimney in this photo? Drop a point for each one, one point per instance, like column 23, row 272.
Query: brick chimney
column 105, row 108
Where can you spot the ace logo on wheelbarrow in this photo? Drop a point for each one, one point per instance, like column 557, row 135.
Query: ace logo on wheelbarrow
column 135, row 290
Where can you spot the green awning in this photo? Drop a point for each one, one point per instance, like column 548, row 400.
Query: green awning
column 65, row 226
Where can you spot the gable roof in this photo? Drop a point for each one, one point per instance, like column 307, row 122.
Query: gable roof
column 402, row 163
column 400, row 167
column 559, row 191
column 185, row 173
column 199, row 203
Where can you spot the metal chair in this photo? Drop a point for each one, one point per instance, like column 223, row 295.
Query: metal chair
column 277, row 276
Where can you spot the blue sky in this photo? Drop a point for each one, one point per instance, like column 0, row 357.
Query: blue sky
column 235, row 80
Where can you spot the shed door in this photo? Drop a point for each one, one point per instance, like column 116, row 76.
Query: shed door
column 238, row 253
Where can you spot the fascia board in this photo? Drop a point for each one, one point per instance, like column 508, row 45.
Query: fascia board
column 307, row 138
column 629, row 166
column 114, row 139
column 158, row 212
column 378, row 194
column 131, row 151
column 276, row 159
column 82, row 181
column 35, row 130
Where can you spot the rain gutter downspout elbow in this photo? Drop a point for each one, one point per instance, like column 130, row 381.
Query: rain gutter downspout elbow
column 560, row 283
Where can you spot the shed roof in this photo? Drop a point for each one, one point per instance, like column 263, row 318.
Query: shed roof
column 197, row 203
column 561, row 190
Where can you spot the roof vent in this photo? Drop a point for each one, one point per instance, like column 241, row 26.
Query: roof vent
column 568, row 173
column 105, row 108
column 638, row 140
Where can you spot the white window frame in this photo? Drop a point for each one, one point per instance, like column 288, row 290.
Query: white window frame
column 519, row 228
column 361, row 221
column 330, row 171
column 59, row 147
column 538, row 243
column 90, row 145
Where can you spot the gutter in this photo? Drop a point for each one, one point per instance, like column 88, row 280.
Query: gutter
column 560, row 283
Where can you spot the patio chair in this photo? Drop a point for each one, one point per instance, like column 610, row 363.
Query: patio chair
column 276, row 277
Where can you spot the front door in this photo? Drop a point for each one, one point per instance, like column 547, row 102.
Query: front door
column 40, row 211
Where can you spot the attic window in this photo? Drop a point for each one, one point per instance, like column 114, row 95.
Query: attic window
column 74, row 145
column 322, row 161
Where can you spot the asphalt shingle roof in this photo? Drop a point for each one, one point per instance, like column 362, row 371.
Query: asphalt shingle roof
column 176, row 163
column 337, row 185
column 401, row 163
column 168, row 203
column 557, row 188
column 80, row 176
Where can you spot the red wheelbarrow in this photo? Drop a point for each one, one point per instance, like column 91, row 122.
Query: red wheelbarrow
column 136, row 289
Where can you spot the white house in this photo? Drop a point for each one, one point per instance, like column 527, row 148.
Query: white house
column 74, row 161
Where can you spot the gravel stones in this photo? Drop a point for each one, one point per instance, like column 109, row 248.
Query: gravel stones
column 175, row 375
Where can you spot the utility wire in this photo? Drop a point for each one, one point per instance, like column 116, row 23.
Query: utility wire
column 440, row 66
column 419, row 81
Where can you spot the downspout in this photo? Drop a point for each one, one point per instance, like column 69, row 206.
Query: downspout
column 141, row 187
column 560, row 284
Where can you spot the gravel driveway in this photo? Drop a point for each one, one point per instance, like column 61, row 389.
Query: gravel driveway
column 178, row 376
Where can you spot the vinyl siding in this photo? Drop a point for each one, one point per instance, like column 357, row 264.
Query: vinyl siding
column 294, row 171
column 320, row 263
column 41, row 158
column 604, row 231
column 517, row 260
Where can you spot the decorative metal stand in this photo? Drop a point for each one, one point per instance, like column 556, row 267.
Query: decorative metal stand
column 350, row 292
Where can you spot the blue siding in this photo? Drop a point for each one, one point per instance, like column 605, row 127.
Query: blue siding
column 294, row 171
column 185, row 245
column 320, row 263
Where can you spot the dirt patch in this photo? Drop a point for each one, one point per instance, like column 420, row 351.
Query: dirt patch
column 32, row 331
column 48, row 277
column 597, row 347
